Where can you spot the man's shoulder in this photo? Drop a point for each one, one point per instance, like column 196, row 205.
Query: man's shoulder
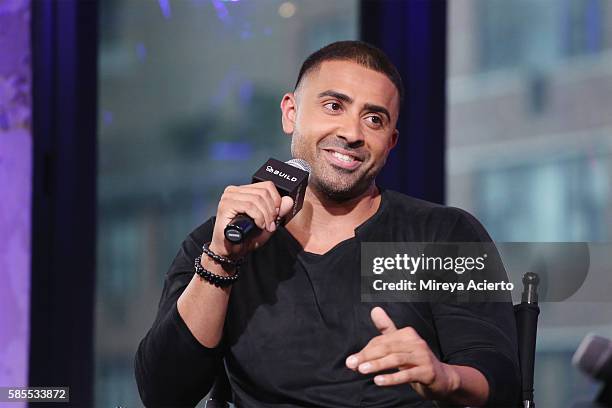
column 404, row 203
column 444, row 220
column 397, row 198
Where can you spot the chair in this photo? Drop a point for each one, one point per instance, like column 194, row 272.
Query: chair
column 526, row 314
column 221, row 391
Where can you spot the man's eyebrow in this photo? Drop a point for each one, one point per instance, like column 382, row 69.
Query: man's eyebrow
column 337, row 95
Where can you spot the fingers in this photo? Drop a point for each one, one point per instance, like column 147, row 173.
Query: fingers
column 382, row 321
column 374, row 349
column 398, row 360
column 286, row 205
column 405, row 340
column 250, row 208
column 263, row 205
column 423, row 375
column 380, row 347
column 260, row 201
column 270, row 188
column 269, row 195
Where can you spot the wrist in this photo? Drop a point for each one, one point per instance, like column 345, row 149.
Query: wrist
column 220, row 250
column 454, row 379
column 228, row 261
column 219, row 269
column 219, row 280
column 469, row 386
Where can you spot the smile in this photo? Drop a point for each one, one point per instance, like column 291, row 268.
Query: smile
column 343, row 157
column 342, row 160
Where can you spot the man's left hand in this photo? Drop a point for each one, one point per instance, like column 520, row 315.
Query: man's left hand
column 404, row 350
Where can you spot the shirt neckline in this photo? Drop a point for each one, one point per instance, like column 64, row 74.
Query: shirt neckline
column 359, row 231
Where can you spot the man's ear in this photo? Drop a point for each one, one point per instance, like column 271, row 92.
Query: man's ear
column 394, row 138
column 289, row 111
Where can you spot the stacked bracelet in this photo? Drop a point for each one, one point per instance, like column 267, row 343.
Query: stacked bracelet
column 220, row 259
column 217, row 280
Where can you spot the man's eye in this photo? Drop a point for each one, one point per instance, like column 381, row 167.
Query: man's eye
column 375, row 120
column 333, row 106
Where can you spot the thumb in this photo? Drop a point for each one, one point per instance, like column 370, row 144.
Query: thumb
column 286, row 205
column 382, row 321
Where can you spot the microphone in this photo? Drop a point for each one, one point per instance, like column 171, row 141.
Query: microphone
column 290, row 179
column 594, row 358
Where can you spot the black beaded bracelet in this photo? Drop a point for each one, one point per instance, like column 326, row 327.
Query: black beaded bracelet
column 220, row 259
column 217, row 280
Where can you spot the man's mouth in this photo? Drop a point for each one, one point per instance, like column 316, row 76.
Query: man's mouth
column 342, row 159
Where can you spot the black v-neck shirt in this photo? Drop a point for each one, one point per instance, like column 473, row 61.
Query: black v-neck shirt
column 294, row 317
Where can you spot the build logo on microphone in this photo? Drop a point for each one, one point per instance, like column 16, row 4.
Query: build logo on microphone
column 281, row 174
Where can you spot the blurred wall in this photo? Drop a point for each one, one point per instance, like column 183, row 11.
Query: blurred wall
column 530, row 146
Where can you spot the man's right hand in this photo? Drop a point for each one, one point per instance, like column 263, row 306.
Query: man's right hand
column 260, row 201
column 202, row 305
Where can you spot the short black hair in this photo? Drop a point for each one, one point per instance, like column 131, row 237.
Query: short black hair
column 359, row 52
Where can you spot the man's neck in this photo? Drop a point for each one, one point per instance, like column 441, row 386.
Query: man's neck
column 323, row 222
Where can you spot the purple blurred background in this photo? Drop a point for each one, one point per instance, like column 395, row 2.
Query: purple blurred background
column 15, row 191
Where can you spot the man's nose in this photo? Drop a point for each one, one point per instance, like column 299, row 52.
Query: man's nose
column 351, row 132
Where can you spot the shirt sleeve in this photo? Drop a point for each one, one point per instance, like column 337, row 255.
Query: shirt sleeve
column 481, row 335
column 171, row 367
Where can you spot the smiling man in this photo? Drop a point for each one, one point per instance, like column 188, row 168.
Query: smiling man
column 292, row 331
column 345, row 125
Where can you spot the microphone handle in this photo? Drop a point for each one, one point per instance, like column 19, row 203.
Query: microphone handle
column 240, row 228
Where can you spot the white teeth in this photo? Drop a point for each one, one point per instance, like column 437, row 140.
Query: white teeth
column 343, row 157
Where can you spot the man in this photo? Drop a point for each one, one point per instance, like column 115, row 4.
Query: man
column 292, row 330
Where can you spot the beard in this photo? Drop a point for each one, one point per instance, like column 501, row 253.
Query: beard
column 335, row 183
column 341, row 194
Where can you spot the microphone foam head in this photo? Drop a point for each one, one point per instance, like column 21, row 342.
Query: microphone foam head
column 300, row 164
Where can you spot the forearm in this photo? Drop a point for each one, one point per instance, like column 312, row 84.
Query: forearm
column 172, row 368
column 203, row 306
column 470, row 387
